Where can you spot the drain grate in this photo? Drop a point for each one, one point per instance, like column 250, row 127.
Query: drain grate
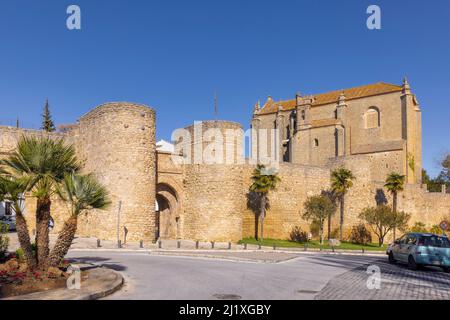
column 227, row 296
column 308, row 291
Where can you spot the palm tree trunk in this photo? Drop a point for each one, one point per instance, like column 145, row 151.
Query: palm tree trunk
column 42, row 232
column 341, row 222
column 24, row 241
column 64, row 241
column 394, row 208
column 257, row 225
column 263, row 213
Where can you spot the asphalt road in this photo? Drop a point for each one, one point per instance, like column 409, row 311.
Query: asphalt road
column 171, row 277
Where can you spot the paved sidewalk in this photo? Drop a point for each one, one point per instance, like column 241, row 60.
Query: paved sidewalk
column 397, row 283
column 185, row 247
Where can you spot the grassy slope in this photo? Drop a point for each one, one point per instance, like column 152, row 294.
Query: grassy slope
column 313, row 244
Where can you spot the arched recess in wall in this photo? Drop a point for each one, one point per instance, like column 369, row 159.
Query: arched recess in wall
column 167, row 212
column 372, row 118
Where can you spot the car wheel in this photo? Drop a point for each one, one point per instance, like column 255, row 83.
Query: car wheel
column 391, row 258
column 412, row 265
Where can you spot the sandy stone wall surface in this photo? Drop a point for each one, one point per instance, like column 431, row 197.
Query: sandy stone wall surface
column 286, row 202
column 298, row 182
column 117, row 143
column 214, row 202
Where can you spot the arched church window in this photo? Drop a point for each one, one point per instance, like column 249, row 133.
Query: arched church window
column 372, row 118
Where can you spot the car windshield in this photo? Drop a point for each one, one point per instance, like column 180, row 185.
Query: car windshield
column 435, row 241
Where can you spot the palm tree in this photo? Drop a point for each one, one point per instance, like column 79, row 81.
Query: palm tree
column 332, row 196
column 264, row 180
column 82, row 193
column 13, row 190
column 394, row 184
column 43, row 162
column 341, row 181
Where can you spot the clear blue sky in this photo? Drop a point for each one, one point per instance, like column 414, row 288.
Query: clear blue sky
column 172, row 55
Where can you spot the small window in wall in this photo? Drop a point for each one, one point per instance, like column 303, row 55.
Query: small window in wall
column 372, row 118
column 316, row 142
column 303, row 115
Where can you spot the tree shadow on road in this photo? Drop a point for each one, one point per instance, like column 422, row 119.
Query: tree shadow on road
column 103, row 262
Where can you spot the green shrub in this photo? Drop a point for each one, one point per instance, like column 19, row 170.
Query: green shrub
column 297, row 235
column 436, row 229
column 335, row 233
column 419, row 227
column 21, row 256
column 314, row 228
column 4, row 240
column 360, row 235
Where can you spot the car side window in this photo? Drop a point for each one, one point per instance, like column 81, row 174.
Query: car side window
column 402, row 240
column 411, row 240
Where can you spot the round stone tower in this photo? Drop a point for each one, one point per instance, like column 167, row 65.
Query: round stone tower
column 212, row 142
column 214, row 191
column 117, row 144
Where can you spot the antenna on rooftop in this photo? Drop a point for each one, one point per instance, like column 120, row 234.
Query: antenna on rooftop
column 215, row 105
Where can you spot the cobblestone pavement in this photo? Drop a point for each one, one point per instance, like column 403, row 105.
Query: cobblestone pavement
column 397, row 283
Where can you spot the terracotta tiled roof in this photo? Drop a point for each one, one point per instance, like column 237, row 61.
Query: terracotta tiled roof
column 333, row 96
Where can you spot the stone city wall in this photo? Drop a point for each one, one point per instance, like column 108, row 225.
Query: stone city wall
column 117, row 144
column 298, row 182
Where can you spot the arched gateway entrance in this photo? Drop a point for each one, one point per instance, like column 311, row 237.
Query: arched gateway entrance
column 167, row 212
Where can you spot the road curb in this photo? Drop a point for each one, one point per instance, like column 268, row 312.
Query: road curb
column 100, row 283
column 263, row 249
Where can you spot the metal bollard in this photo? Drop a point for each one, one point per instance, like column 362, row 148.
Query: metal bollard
column 245, row 246
column 229, row 245
column 178, row 244
column 196, row 244
column 212, row 244
column 159, row 244
column 274, row 247
column 259, row 246
column 119, row 244
column 141, row 244
column 332, row 249
column 306, row 247
column 362, row 249
column 98, row 243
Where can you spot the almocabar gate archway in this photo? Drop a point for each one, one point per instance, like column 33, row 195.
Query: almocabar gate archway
column 167, row 212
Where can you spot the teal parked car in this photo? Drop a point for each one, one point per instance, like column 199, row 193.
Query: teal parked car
column 421, row 249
